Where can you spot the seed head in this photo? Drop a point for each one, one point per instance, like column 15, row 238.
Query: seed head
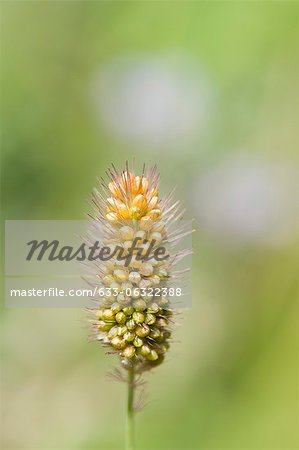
column 135, row 323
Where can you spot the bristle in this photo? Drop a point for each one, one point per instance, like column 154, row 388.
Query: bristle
column 138, row 329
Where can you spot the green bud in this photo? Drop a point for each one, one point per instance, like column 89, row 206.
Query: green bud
column 138, row 342
column 104, row 326
column 121, row 330
column 108, row 315
column 129, row 336
column 138, row 317
column 120, row 317
column 142, row 330
column 129, row 352
column 150, row 319
column 128, row 310
column 155, row 333
column 153, row 356
column 118, row 343
column 113, row 332
column 145, row 350
column 131, row 324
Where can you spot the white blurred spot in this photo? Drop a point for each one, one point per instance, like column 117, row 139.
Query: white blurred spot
column 154, row 101
column 246, row 200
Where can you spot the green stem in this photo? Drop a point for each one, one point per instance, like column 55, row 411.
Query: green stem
column 130, row 444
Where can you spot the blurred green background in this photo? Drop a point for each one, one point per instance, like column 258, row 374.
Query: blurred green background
column 209, row 92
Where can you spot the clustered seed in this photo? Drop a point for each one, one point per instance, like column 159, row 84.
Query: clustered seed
column 136, row 325
column 135, row 332
column 134, row 321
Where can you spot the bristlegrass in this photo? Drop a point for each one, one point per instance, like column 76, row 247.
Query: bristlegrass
column 134, row 320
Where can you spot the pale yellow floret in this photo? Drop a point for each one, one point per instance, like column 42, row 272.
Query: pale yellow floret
column 132, row 199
